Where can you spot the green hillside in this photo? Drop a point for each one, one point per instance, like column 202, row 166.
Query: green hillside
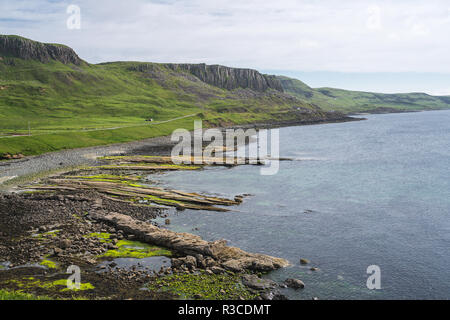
column 355, row 101
column 65, row 102
column 51, row 99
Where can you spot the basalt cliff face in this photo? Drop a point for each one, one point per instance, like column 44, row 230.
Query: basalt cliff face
column 18, row 47
column 230, row 78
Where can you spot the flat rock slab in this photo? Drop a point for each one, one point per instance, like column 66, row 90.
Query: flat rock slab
column 231, row 258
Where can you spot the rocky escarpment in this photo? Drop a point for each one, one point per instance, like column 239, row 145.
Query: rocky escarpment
column 230, row 78
column 18, row 47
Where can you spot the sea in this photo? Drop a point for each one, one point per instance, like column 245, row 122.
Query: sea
column 356, row 197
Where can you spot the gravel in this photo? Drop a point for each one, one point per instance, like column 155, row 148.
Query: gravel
column 77, row 157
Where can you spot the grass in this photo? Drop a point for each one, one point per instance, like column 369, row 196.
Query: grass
column 68, row 106
column 32, row 145
column 61, row 103
column 356, row 101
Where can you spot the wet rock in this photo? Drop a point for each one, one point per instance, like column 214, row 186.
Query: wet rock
column 273, row 295
column 167, row 221
column 262, row 265
column 314, row 269
column 304, row 261
column 176, row 263
column 294, row 283
column 111, row 246
column 254, row 282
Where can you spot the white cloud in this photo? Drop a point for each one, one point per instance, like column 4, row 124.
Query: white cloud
column 353, row 35
column 374, row 18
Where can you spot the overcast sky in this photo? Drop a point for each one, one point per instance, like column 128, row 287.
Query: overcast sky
column 384, row 46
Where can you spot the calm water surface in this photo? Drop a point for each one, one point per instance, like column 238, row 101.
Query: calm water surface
column 364, row 193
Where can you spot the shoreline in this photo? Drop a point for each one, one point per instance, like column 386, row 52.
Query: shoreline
column 50, row 225
column 191, row 260
column 58, row 161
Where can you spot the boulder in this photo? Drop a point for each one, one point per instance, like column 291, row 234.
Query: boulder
column 176, row 263
column 294, row 283
column 190, row 262
column 254, row 282
column 304, row 261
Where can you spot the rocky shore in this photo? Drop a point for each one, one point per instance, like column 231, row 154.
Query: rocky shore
column 103, row 223
column 94, row 208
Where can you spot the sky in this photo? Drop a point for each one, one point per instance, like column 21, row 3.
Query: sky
column 374, row 45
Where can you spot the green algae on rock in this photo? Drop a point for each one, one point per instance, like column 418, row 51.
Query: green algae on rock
column 49, row 264
column 135, row 249
column 33, row 283
column 45, row 235
column 102, row 236
column 63, row 282
column 19, row 295
column 204, row 286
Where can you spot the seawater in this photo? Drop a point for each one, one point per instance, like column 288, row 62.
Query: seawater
column 373, row 192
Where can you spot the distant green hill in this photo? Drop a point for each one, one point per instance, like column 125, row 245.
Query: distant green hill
column 355, row 101
column 51, row 99
column 65, row 101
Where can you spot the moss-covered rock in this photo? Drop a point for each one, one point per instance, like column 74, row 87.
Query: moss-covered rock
column 135, row 249
column 60, row 285
column 204, row 286
column 49, row 264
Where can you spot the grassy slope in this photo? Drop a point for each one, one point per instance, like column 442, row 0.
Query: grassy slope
column 356, row 101
column 59, row 101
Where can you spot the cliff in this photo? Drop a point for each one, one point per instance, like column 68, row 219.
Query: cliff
column 18, row 47
column 230, row 78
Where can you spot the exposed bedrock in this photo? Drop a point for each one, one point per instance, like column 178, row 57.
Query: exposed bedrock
column 18, row 47
column 230, row 258
column 230, row 78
